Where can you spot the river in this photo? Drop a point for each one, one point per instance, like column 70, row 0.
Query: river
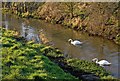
column 58, row 36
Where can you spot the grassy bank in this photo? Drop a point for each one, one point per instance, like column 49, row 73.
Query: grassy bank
column 24, row 60
column 27, row 60
column 98, row 19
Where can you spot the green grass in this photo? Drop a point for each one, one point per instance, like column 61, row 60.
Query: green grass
column 24, row 60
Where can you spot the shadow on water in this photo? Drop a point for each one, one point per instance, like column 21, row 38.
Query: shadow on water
column 58, row 35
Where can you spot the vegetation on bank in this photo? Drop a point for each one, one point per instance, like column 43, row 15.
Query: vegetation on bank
column 24, row 60
column 77, row 67
column 27, row 60
column 99, row 19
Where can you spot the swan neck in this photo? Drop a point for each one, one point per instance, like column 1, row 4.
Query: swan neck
column 96, row 60
column 71, row 40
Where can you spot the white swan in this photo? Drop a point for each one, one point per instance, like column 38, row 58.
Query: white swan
column 75, row 42
column 102, row 62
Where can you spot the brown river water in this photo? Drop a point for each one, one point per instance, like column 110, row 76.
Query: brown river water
column 58, row 36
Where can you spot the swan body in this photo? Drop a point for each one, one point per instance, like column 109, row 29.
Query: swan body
column 102, row 62
column 75, row 42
